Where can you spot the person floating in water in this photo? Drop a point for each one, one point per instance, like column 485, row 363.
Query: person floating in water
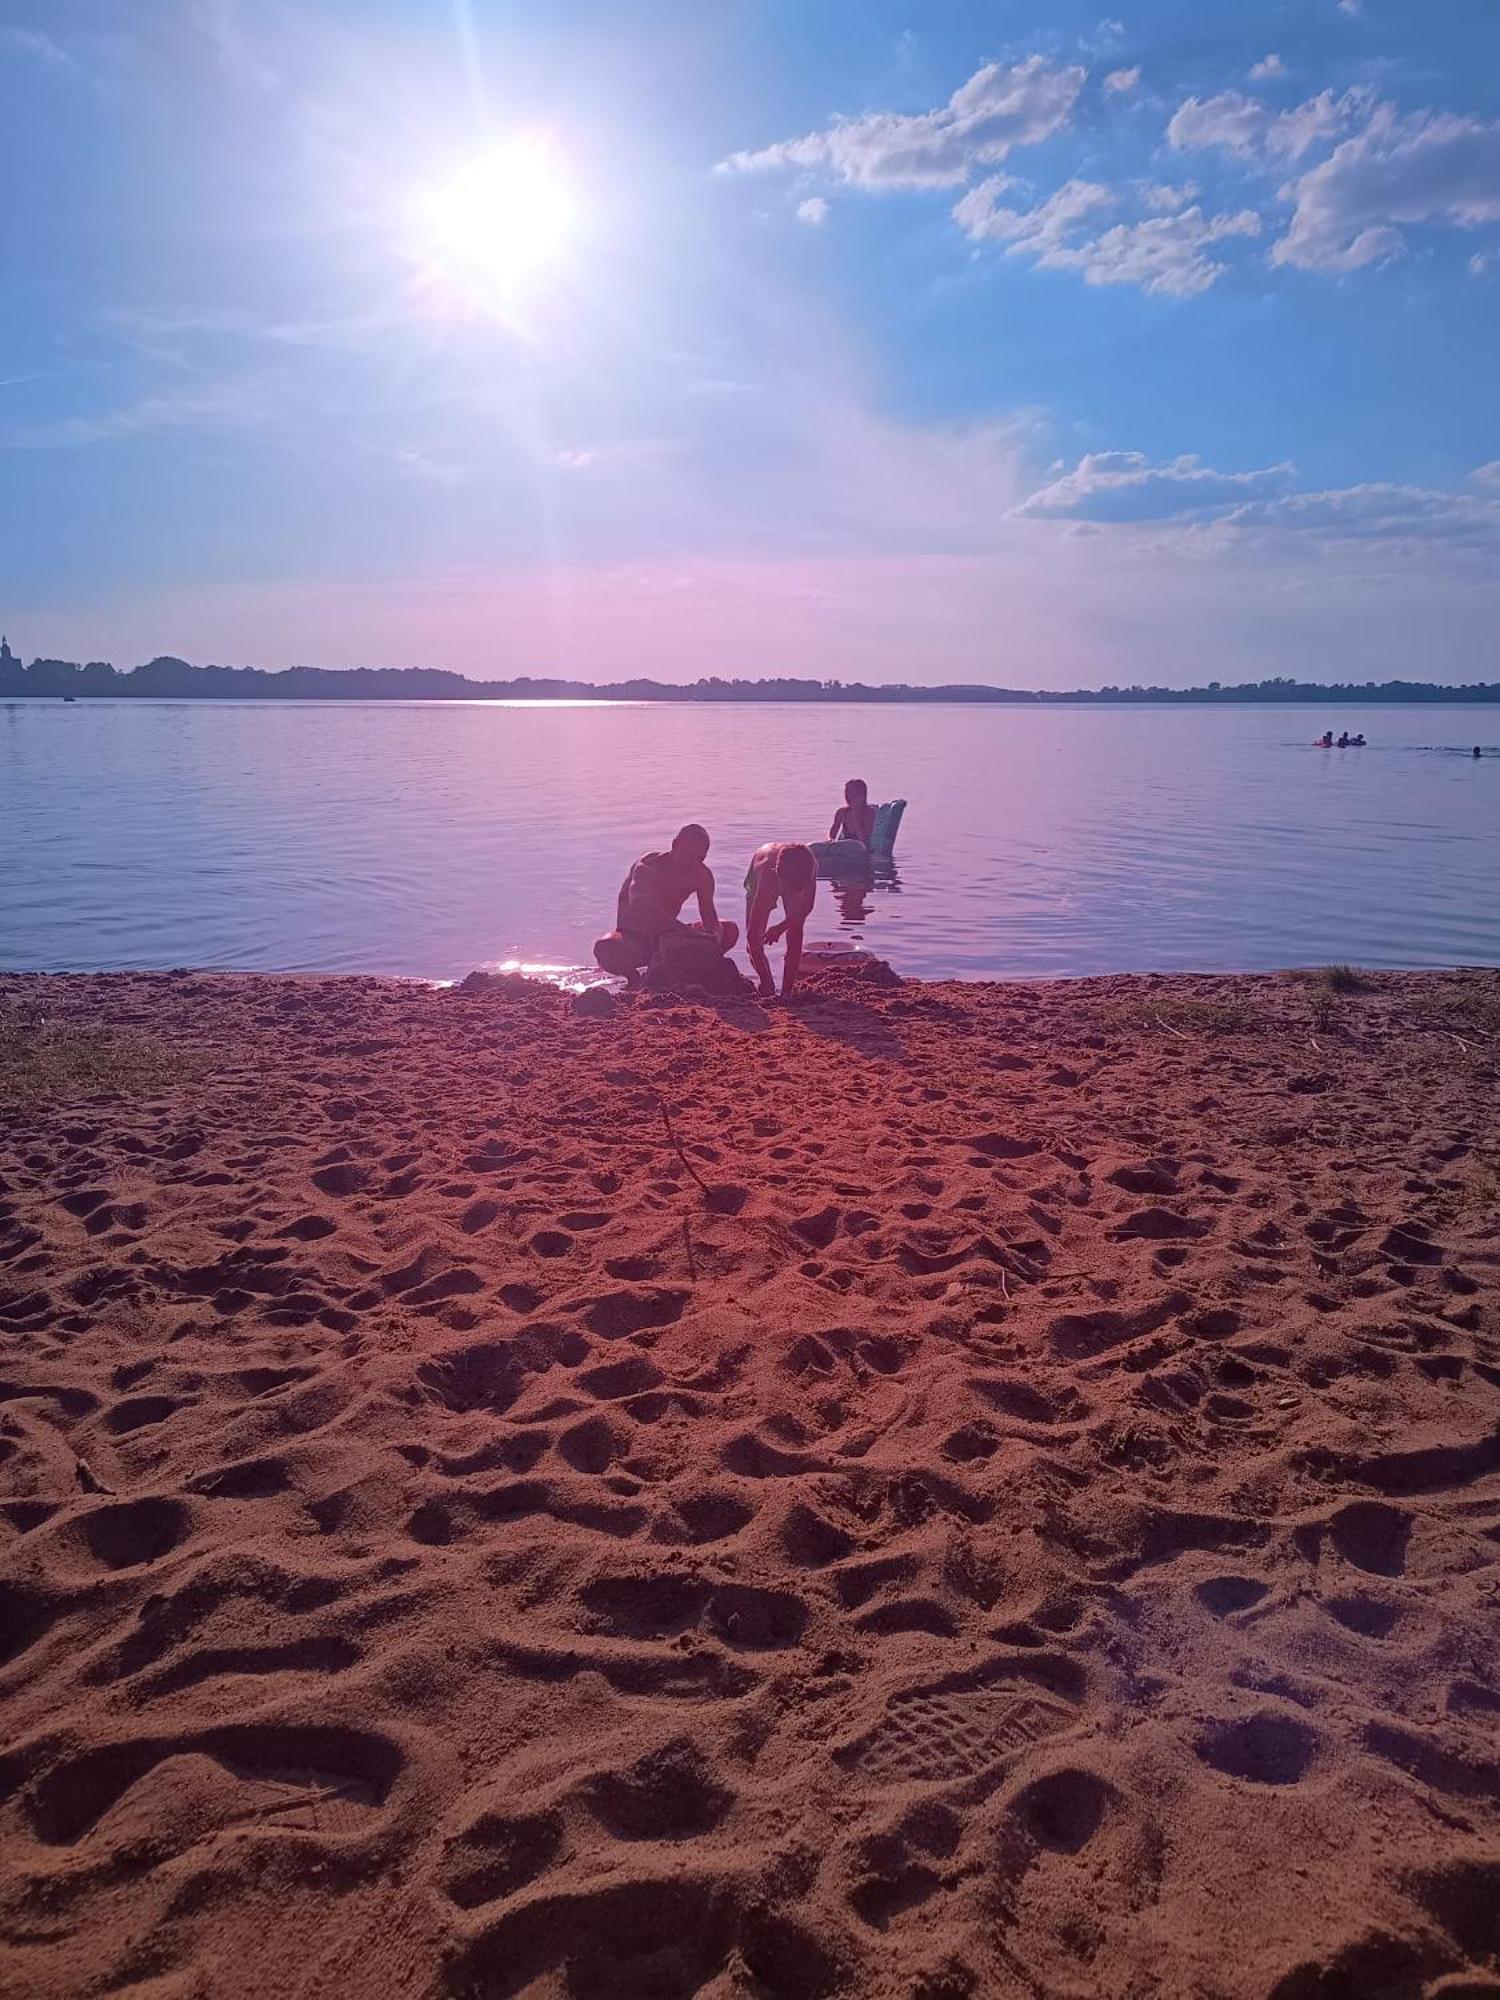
column 1343, row 739
column 1325, row 741
column 1477, row 751
column 651, row 896
column 855, row 818
column 782, row 872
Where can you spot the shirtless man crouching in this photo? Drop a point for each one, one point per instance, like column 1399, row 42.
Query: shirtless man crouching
column 785, row 872
column 651, row 896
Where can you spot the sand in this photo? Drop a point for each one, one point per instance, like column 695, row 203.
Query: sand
column 1010, row 1507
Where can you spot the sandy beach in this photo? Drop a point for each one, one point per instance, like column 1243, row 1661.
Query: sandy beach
column 942, row 1491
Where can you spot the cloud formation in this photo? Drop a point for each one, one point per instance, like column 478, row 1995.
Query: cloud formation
column 1379, row 511
column 1124, row 486
column 1037, row 230
column 1125, row 489
column 1162, row 197
column 1002, row 106
column 1247, row 127
column 1361, row 172
column 1386, row 170
column 1428, row 167
column 1163, row 253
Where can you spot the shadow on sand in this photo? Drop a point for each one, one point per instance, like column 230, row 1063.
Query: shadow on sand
column 852, row 1023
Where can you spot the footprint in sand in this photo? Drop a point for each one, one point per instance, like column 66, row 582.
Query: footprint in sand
column 321, row 1777
column 1224, row 1595
column 131, row 1532
column 592, row 1446
column 309, row 1228
column 136, row 1412
column 1371, row 1617
column 1268, row 1748
column 616, row 1315
column 703, row 1517
column 662, row 1606
column 26, row 1616
column 1367, row 1533
column 1079, row 1860
column 959, row 1726
column 668, row 1794
column 551, row 1243
column 497, row 1854
column 680, row 1934
column 611, row 1381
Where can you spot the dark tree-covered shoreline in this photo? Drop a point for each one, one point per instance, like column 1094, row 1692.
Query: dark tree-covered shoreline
column 172, row 679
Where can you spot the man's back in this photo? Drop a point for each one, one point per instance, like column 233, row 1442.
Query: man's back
column 656, row 889
column 854, row 822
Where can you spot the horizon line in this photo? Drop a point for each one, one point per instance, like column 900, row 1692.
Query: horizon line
column 170, row 675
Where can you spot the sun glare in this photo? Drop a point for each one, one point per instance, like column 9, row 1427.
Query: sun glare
column 500, row 222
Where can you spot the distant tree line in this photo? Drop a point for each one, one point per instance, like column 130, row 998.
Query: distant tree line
column 171, row 679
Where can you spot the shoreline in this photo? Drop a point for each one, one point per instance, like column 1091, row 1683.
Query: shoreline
column 1483, row 695
column 924, row 1491
column 815, row 962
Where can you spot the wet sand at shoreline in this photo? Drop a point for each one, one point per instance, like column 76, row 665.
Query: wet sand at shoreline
column 946, row 1490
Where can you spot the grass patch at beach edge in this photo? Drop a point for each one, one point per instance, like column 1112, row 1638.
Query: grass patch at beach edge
column 43, row 1061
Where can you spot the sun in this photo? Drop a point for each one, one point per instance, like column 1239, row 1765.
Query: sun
column 493, row 228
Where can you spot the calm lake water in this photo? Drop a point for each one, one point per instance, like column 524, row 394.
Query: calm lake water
column 427, row 838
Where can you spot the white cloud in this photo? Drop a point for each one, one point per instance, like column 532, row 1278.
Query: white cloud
column 1482, row 261
column 1124, row 486
column 1350, row 6
column 1234, row 123
column 1377, row 512
column 1487, row 475
column 1162, row 196
column 1386, row 170
column 1231, row 122
column 1314, row 122
column 1037, row 229
column 1428, row 167
column 1377, row 171
column 1163, row 253
column 1000, row 107
column 1210, row 509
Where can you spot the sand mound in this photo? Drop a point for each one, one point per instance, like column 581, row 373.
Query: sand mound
column 935, row 1492
column 688, row 964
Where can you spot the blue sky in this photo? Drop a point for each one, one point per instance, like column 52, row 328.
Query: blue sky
column 952, row 342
